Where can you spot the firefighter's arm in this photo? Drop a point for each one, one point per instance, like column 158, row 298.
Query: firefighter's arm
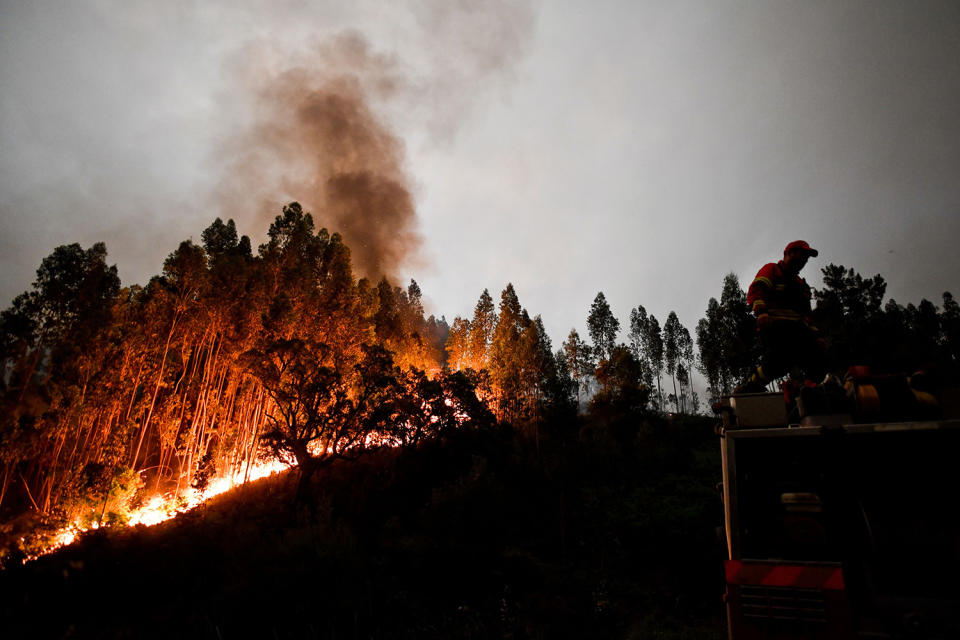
column 757, row 295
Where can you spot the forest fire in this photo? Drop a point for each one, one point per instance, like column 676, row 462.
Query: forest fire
column 165, row 506
column 228, row 359
column 127, row 407
column 237, row 352
column 161, row 508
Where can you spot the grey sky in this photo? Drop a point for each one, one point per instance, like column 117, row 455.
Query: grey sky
column 640, row 148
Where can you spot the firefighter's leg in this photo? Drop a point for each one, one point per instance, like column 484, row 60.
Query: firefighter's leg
column 757, row 379
column 778, row 344
column 813, row 356
column 773, row 363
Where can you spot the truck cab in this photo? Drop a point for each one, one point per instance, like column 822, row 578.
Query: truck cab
column 837, row 528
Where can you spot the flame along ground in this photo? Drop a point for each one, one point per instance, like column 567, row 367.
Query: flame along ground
column 166, row 506
column 163, row 507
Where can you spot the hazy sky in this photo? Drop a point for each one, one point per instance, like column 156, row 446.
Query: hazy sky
column 640, row 148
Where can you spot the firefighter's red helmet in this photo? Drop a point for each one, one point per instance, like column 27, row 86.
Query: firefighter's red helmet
column 801, row 245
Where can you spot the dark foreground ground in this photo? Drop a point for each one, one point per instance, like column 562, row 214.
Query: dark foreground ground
column 595, row 533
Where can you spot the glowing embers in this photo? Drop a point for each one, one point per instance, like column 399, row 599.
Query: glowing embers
column 164, row 507
column 62, row 538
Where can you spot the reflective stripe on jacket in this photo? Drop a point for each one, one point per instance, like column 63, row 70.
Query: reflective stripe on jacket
column 779, row 294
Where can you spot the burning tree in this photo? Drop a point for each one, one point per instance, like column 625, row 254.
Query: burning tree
column 510, row 359
column 322, row 412
column 183, row 377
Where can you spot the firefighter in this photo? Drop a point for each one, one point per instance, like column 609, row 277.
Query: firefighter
column 780, row 300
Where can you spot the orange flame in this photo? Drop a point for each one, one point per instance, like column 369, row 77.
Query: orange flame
column 163, row 507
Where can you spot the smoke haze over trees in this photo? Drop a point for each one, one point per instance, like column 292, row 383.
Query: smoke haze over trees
column 315, row 135
column 267, row 105
column 126, row 131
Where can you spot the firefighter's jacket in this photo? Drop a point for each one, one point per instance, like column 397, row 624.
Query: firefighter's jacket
column 782, row 295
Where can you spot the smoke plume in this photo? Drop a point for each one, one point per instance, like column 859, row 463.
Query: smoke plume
column 318, row 127
column 311, row 136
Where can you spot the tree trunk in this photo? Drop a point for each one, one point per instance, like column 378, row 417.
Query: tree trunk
column 133, row 395
column 29, row 495
column 48, row 486
column 676, row 398
column 6, row 480
column 29, row 378
column 255, row 438
column 156, row 388
column 659, row 393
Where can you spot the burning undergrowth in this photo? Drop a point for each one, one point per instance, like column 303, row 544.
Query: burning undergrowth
column 131, row 405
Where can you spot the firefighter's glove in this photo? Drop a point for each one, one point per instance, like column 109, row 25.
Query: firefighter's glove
column 764, row 320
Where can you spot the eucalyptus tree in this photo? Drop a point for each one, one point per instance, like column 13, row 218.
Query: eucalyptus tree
column 436, row 333
column 685, row 359
column 711, row 363
column 538, row 371
column 482, row 327
column 320, row 411
column 602, row 326
column 639, row 339
column 457, row 345
column 655, row 354
column 671, row 351
column 579, row 358
column 622, row 394
column 56, row 342
column 740, row 343
column 950, row 327
column 726, row 339
column 505, row 363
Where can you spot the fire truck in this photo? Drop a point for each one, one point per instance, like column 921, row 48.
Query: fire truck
column 842, row 512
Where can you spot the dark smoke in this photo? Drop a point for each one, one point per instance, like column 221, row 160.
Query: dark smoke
column 314, row 138
column 318, row 131
column 147, row 120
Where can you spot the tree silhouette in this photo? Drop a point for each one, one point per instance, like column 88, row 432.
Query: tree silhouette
column 458, row 344
column 727, row 339
column 672, row 350
column 602, row 326
column 655, row 354
column 579, row 360
column 847, row 312
column 506, row 357
column 639, row 337
column 622, row 393
column 481, row 332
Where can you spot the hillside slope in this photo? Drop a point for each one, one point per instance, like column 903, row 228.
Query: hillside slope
column 593, row 534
